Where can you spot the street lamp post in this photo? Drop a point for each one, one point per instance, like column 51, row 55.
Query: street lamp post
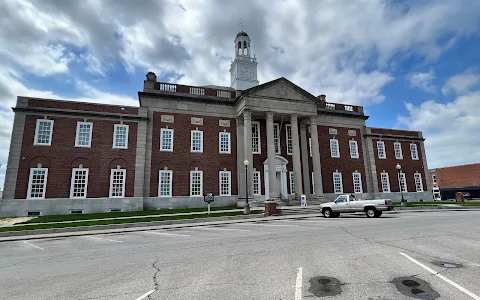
column 399, row 169
column 247, row 206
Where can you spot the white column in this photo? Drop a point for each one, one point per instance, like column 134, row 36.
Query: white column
column 297, row 167
column 305, row 155
column 272, row 180
column 317, row 169
column 240, row 158
column 247, row 121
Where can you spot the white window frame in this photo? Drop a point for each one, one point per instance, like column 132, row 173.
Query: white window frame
column 162, row 132
column 360, row 190
column 384, row 156
column 310, row 146
column 228, row 151
column 170, row 184
column 72, row 183
column 256, row 124
column 384, row 175
column 355, row 144
column 112, row 171
column 35, row 139
column 89, row 138
column 313, row 183
column 434, row 179
column 201, row 183
column 276, row 138
column 414, row 150
column 418, row 184
column 341, row 183
column 334, row 143
column 288, row 139
column 115, row 127
column 291, row 177
column 397, row 148
column 401, row 176
column 201, row 141
column 258, row 184
column 29, row 191
column 229, row 173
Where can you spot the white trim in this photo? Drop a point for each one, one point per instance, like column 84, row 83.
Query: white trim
column 201, row 183
column 72, row 182
column 434, row 179
column 418, row 175
column 112, row 172
column 291, row 178
column 257, row 125
column 334, row 143
column 416, row 151
column 170, row 172
column 162, row 130
column 229, row 151
column 359, row 180
column 350, row 143
column 259, row 183
column 115, row 127
column 341, row 183
column 313, row 183
column 388, row 182
column 384, row 156
column 278, row 148
column 399, row 153
column 35, row 142
column 404, row 179
column 288, row 127
column 229, row 173
column 310, row 146
column 201, row 141
column 44, row 188
column 89, row 137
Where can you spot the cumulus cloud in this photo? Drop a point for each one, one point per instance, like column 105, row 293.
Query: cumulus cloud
column 461, row 83
column 423, row 81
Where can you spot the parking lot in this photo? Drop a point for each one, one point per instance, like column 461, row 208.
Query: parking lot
column 430, row 255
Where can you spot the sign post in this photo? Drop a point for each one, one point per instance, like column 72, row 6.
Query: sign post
column 303, row 200
column 209, row 198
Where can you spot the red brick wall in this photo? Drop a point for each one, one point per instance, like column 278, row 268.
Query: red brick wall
column 62, row 156
column 181, row 160
column 409, row 166
column 82, row 106
column 395, row 132
column 457, row 176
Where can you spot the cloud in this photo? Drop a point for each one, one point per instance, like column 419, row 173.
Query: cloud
column 423, row 81
column 461, row 83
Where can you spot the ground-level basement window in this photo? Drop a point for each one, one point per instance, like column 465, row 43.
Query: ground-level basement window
column 76, row 212
column 33, row 214
column 115, row 209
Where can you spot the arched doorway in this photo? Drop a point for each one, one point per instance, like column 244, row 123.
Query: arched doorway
column 281, row 175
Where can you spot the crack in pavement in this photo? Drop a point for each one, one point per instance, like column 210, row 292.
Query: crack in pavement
column 155, row 282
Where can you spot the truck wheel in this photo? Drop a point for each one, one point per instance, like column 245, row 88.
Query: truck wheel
column 327, row 213
column 370, row 212
column 378, row 214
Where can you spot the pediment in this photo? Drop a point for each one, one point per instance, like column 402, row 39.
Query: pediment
column 280, row 89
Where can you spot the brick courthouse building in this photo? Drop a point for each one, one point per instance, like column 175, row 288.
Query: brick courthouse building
column 184, row 141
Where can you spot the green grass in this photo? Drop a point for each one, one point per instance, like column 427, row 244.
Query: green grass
column 414, row 204
column 118, row 221
column 60, row 218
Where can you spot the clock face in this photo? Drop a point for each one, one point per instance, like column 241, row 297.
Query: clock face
column 246, row 72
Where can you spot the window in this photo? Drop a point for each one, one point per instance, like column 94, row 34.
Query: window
column 256, row 138
column 418, row 182
column 197, row 141
column 413, row 151
column 385, row 182
column 292, row 183
column 402, row 182
column 276, row 137
column 353, row 149
column 398, row 150
column 357, row 183
column 434, row 179
column 117, row 183
column 120, row 136
column 196, row 183
column 165, row 183
column 334, row 150
column 337, row 183
column 37, row 183
column 310, row 145
column 43, row 132
column 381, row 150
column 166, row 139
column 341, row 199
column 288, row 132
column 84, row 134
column 225, row 183
column 313, row 183
column 224, row 142
column 257, row 187
column 79, row 183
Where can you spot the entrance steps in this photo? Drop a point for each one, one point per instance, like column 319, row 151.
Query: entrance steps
column 299, row 210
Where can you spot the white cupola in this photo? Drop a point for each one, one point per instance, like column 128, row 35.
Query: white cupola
column 243, row 70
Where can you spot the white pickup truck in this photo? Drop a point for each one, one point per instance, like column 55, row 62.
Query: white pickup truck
column 350, row 204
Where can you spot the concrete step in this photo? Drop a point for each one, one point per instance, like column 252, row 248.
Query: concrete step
column 298, row 210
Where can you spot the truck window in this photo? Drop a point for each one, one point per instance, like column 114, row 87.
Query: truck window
column 341, row 199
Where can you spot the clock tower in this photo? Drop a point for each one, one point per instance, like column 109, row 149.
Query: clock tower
column 243, row 70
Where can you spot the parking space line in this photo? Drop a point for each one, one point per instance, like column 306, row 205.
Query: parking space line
column 442, row 277
column 33, row 245
column 217, row 228
column 99, row 238
column 298, row 285
column 165, row 233
column 145, row 295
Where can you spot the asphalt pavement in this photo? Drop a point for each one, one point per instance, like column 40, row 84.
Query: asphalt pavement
column 430, row 255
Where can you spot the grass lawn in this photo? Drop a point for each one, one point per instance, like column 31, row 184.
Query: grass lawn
column 413, row 204
column 60, row 218
column 119, row 221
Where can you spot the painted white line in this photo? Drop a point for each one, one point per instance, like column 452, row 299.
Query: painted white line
column 442, row 277
column 298, row 285
column 263, row 224
column 217, row 228
column 33, row 245
column 165, row 233
column 98, row 238
column 145, row 295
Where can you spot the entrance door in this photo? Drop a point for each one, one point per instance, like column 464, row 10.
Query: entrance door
column 279, row 181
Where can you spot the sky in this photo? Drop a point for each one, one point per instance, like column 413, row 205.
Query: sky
column 412, row 64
